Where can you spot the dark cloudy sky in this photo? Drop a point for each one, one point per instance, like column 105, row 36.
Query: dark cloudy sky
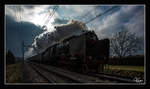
column 24, row 22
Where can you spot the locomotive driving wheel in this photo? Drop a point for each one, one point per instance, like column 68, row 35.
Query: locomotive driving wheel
column 85, row 68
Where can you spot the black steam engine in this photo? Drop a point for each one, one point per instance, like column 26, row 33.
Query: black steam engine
column 82, row 53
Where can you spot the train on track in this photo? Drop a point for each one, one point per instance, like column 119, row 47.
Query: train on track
column 84, row 53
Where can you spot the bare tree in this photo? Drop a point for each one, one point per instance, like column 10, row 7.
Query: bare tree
column 124, row 43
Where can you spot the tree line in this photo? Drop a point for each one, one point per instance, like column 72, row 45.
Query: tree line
column 10, row 58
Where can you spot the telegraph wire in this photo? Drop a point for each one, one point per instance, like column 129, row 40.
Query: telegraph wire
column 101, row 14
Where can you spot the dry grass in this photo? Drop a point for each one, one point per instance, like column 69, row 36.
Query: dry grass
column 127, row 68
column 13, row 73
column 127, row 71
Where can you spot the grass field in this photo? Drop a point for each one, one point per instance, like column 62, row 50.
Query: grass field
column 127, row 71
column 13, row 73
column 129, row 68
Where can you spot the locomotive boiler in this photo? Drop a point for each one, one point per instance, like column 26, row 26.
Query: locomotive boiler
column 84, row 52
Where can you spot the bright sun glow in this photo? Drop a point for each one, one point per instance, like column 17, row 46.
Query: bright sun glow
column 42, row 19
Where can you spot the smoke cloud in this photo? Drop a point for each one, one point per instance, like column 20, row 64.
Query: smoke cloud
column 44, row 40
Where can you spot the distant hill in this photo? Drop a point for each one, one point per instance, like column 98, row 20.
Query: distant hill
column 16, row 32
column 10, row 58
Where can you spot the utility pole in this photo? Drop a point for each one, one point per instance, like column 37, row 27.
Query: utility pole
column 23, row 50
column 36, row 50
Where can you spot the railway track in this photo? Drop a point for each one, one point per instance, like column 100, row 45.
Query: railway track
column 32, row 75
column 56, row 75
column 113, row 78
column 39, row 72
column 51, row 76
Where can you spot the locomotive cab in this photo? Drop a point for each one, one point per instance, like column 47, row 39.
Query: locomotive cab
column 97, row 52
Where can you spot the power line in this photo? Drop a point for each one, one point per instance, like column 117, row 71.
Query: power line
column 88, row 13
column 54, row 10
column 51, row 14
column 23, row 50
column 101, row 14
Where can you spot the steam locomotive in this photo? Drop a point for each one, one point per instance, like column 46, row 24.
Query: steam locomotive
column 84, row 53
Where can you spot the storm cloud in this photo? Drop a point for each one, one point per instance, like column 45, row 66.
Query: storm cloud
column 126, row 17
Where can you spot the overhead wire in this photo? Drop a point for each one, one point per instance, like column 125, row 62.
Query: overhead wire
column 84, row 16
column 51, row 14
column 110, row 9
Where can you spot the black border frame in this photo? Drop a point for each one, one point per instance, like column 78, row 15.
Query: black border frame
column 80, row 2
